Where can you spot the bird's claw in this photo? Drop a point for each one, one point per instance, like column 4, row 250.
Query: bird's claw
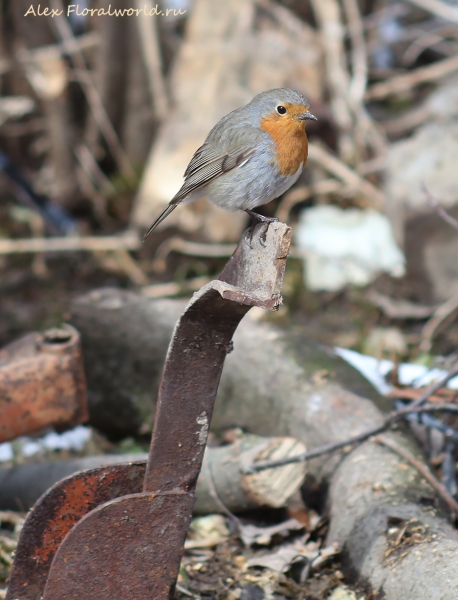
column 259, row 219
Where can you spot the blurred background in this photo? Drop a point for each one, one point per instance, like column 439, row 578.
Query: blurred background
column 100, row 114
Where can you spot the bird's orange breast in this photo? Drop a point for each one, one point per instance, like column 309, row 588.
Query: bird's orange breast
column 290, row 142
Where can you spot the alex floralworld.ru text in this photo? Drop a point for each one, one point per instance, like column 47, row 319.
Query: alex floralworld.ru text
column 155, row 11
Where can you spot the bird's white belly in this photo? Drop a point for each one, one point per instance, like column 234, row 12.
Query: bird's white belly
column 246, row 187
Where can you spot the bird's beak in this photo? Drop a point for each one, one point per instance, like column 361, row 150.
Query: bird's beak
column 307, row 116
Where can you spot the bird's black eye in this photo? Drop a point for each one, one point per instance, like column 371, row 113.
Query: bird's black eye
column 281, row 109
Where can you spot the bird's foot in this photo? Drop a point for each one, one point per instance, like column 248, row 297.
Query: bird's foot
column 259, row 219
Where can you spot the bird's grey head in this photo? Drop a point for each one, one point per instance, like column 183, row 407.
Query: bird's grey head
column 282, row 102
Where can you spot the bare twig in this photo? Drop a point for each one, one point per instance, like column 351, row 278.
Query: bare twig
column 402, row 83
column 70, row 244
column 328, row 17
column 440, row 210
column 93, row 169
column 358, row 82
column 177, row 244
column 130, row 267
column 92, row 95
column 392, row 418
column 152, row 57
column 440, row 9
column 422, row 469
column 414, row 117
column 399, row 309
column 449, row 310
column 340, row 170
column 162, row 290
column 442, row 315
column 299, row 194
column 427, row 40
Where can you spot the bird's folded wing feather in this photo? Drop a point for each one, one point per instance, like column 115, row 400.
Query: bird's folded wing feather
column 208, row 163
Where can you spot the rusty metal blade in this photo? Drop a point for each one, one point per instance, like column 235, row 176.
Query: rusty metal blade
column 131, row 548
column 56, row 512
column 124, row 549
column 200, row 342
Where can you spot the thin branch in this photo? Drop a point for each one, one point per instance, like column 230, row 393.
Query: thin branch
column 177, row 244
column 402, row 83
column 399, row 308
column 152, row 57
column 70, row 244
column 440, row 210
column 440, row 9
column 299, row 194
column 162, row 290
column 443, row 314
column 340, row 170
column 92, row 95
column 358, row 82
column 130, row 267
column 328, row 16
column 422, row 469
column 392, row 418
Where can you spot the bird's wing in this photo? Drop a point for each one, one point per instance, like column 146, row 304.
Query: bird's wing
column 207, row 164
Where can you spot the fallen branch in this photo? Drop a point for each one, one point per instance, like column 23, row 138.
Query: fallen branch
column 178, row 244
column 152, row 56
column 393, row 417
column 402, row 83
column 440, row 9
column 299, row 194
column 70, row 244
column 439, row 209
column 440, row 489
column 162, row 290
column 442, row 315
column 399, row 309
column 222, row 485
column 91, row 93
column 340, row 170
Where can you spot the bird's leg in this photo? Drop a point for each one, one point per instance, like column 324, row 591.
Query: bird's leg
column 260, row 219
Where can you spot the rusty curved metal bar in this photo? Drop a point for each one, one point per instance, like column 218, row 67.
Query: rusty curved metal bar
column 131, row 547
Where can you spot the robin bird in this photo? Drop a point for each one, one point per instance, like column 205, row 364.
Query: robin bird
column 251, row 156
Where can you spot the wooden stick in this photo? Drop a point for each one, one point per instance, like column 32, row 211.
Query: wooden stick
column 91, row 93
column 439, row 209
column 299, row 194
column 441, row 315
column 445, row 11
column 340, row 170
column 152, row 57
column 162, row 290
column 329, row 19
column 70, row 244
column 392, row 418
column 358, row 81
column 402, row 83
column 422, row 469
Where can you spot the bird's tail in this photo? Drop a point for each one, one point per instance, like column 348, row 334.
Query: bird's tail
column 165, row 213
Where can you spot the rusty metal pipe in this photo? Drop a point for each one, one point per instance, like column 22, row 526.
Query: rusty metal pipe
column 42, row 383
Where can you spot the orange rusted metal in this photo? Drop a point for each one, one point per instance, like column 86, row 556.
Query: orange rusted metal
column 54, row 515
column 42, row 383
